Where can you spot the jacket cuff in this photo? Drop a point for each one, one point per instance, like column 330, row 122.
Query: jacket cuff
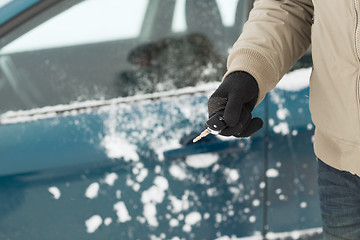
column 255, row 64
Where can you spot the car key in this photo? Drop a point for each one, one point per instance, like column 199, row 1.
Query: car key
column 214, row 125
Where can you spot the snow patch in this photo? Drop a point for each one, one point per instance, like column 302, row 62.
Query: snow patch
column 107, row 221
column 117, row 147
column 262, row 185
column 257, row 236
column 161, row 183
column 179, row 205
column 232, row 175
column 157, row 169
column 174, row 222
column 143, row 173
column 202, row 160
column 93, row 190
column 176, row 238
column 55, row 192
column 115, row 142
column 178, row 172
column 218, row 217
column 271, row 122
column 282, row 128
column 121, row 212
column 163, row 145
column 272, row 236
column 150, row 214
column 186, row 228
column 76, row 108
column 152, row 196
column 135, row 186
column 110, row 178
column 193, row 218
column 93, row 223
column 303, row 204
column 118, row 194
column 256, row 202
column 282, row 197
column 282, row 113
column 272, row 173
column 252, row 219
column 296, row 80
column 293, row 234
column 211, row 192
column 190, row 220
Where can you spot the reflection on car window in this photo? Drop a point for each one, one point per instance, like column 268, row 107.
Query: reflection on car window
column 227, row 9
column 85, row 23
column 137, row 47
column 178, row 22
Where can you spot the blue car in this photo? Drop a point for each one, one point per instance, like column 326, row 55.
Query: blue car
column 99, row 104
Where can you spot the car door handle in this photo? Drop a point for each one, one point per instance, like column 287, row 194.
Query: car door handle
column 218, row 147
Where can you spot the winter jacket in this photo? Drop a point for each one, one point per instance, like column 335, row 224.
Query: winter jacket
column 278, row 33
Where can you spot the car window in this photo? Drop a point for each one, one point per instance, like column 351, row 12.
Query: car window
column 227, row 11
column 82, row 24
column 83, row 54
column 74, row 56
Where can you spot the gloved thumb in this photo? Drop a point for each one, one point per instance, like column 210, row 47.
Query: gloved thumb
column 254, row 125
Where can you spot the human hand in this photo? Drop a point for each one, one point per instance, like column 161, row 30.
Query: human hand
column 236, row 96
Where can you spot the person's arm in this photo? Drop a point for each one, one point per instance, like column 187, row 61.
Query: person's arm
column 276, row 35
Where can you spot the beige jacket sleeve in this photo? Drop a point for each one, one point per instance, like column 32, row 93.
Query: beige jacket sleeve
column 276, row 35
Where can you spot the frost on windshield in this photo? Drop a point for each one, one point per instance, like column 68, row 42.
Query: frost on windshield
column 73, row 73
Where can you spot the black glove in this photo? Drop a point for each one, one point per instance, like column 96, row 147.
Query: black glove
column 236, row 96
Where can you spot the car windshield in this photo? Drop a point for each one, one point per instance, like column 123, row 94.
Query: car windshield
column 11, row 8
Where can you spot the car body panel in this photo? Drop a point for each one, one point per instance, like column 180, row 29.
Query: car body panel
column 222, row 193
column 96, row 136
column 292, row 192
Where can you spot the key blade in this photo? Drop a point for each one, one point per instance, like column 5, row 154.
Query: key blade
column 202, row 134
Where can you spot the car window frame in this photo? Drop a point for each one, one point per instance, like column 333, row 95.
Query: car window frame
column 31, row 18
column 45, row 11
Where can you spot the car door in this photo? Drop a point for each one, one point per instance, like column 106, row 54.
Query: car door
column 293, row 201
column 100, row 103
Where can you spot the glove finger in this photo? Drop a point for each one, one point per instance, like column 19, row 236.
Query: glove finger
column 254, row 125
column 244, row 120
column 233, row 112
column 232, row 131
column 216, row 104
